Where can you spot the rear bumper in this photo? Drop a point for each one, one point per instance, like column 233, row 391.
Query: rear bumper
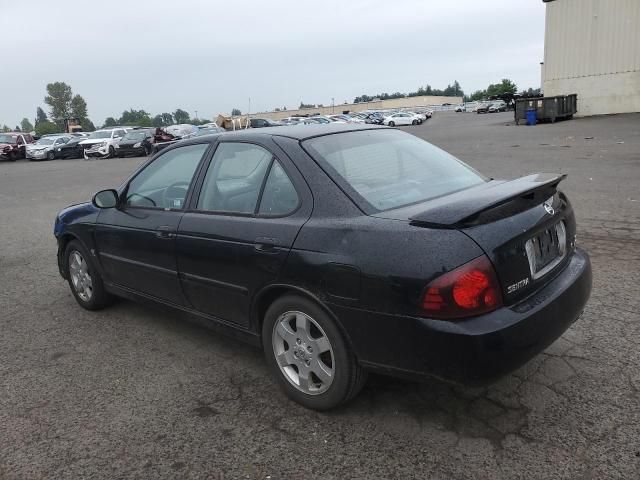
column 477, row 350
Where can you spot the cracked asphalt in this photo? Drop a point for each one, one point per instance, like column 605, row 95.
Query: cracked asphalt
column 134, row 392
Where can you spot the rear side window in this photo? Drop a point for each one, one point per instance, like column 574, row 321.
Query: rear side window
column 234, row 179
column 279, row 197
column 385, row 169
column 245, row 179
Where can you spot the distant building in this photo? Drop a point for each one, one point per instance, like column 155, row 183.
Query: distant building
column 592, row 48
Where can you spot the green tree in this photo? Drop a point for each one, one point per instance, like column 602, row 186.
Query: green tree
column 110, row 122
column 158, row 121
column 40, row 116
column 236, row 112
column 78, row 107
column 5, row 128
column 87, row 125
column 167, row 118
column 505, row 87
column 59, row 97
column 45, row 128
column 17, row 129
column 135, row 117
column 181, row 116
column 25, row 125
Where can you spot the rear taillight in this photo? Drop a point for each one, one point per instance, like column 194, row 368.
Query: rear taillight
column 467, row 291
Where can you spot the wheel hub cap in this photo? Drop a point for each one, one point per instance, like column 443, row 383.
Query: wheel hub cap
column 80, row 277
column 303, row 352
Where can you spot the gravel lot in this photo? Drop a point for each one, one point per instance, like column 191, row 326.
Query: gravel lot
column 133, row 392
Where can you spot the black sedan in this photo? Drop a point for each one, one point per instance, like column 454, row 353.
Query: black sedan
column 71, row 149
column 136, row 143
column 339, row 249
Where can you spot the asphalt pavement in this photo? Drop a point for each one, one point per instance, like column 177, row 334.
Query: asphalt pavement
column 134, row 392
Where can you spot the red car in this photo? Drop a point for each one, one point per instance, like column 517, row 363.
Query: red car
column 13, row 145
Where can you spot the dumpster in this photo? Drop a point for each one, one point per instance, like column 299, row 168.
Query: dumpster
column 547, row 108
column 532, row 116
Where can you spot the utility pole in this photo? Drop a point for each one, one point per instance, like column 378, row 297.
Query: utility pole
column 196, row 114
column 333, row 105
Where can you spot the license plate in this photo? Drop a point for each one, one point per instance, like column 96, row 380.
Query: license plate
column 546, row 249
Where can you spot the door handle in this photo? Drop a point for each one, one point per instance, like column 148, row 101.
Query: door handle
column 265, row 244
column 165, row 232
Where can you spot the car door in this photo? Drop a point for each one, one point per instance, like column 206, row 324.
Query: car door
column 136, row 241
column 239, row 230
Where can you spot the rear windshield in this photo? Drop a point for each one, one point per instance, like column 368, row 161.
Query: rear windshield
column 8, row 139
column 385, row 169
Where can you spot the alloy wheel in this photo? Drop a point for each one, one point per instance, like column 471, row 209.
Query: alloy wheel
column 80, row 276
column 303, row 352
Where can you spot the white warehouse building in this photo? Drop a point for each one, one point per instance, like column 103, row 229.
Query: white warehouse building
column 592, row 48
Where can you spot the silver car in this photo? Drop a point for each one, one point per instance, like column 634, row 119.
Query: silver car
column 45, row 147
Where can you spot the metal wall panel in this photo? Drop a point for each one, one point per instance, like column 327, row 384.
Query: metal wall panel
column 591, row 37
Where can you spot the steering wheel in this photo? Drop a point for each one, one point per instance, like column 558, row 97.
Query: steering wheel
column 174, row 195
column 143, row 197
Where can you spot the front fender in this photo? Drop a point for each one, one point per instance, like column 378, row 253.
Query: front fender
column 74, row 223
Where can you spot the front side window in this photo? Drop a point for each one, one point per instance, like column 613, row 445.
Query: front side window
column 164, row 182
column 390, row 168
column 234, row 179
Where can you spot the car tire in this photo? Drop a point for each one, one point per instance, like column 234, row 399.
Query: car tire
column 147, row 150
column 392, row 124
column 13, row 157
column 112, row 152
column 415, row 122
column 316, row 344
column 84, row 280
column 51, row 156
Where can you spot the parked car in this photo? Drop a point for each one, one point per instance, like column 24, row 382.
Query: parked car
column 374, row 118
column 70, row 149
column 401, row 118
column 345, row 118
column 326, row 119
column 45, row 147
column 483, row 107
column 382, row 254
column 499, row 106
column 102, row 143
column 167, row 136
column 136, row 143
column 263, row 122
column 13, row 145
column 460, row 108
column 420, row 116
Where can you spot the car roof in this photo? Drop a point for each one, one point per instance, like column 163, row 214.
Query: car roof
column 296, row 132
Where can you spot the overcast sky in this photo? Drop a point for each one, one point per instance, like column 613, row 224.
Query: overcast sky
column 211, row 56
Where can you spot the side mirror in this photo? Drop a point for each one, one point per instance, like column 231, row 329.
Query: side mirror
column 105, row 199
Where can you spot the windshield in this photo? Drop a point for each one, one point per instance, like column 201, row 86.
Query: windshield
column 46, row 141
column 385, row 169
column 101, row 134
column 8, row 139
column 139, row 136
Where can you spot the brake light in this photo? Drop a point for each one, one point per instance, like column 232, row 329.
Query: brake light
column 467, row 291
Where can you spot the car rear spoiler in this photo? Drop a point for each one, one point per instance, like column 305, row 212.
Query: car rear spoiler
column 488, row 201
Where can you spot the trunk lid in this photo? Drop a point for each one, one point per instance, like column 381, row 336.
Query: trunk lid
column 525, row 226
